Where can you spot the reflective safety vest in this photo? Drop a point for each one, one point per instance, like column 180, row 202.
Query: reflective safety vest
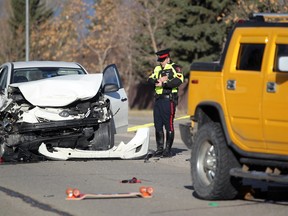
column 169, row 71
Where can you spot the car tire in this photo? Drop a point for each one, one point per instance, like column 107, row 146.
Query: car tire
column 211, row 161
column 6, row 153
column 103, row 137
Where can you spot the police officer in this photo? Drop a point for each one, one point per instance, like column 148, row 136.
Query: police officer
column 166, row 78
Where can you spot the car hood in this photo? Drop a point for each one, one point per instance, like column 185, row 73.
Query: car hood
column 60, row 91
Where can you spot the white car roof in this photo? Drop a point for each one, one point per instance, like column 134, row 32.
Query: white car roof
column 29, row 64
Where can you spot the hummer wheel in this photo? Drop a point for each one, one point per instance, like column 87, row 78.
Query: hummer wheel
column 211, row 160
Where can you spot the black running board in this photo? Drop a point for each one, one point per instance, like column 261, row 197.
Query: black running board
column 238, row 172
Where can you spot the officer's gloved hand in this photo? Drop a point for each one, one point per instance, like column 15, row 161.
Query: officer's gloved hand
column 164, row 79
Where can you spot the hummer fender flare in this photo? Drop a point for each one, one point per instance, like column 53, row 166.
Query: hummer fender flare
column 212, row 111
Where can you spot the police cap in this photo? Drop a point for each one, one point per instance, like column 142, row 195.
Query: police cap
column 163, row 54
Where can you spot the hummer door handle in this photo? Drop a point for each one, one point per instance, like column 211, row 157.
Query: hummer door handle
column 231, row 84
column 271, row 87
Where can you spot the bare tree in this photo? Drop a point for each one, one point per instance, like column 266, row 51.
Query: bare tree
column 151, row 17
column 5, row 33
column 243, row 9
column 58, row 39
column 103, row 33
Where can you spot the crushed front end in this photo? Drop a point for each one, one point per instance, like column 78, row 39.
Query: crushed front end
column 24, row 126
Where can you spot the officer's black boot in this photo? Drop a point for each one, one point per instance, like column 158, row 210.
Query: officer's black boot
column 159, row 142
column 169, row 142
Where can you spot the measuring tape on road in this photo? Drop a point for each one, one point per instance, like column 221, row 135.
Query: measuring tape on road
column 135, row 128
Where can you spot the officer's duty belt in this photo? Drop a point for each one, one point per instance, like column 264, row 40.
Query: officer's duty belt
column 163, row 96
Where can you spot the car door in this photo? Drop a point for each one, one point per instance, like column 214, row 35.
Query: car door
column 244, row 87
column 275, row 100
column 118, row 98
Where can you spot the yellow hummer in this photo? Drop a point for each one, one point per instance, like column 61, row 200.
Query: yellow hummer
column 239, row 110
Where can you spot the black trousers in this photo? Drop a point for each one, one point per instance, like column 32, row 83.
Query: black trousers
column 164, row 113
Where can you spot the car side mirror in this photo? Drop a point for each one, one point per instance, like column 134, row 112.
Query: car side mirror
column 283, row 63
column 110, row 87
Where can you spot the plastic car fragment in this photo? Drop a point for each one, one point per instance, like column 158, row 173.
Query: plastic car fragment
column 135, row 148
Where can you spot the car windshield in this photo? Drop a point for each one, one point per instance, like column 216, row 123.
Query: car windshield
column 31, row 74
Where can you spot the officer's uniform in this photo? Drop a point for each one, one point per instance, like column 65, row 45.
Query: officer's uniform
column 166, row 99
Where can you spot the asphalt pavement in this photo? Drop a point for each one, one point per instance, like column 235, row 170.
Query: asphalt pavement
column 39, row 188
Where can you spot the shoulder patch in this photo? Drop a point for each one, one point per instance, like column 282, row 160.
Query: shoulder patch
column 177, row 68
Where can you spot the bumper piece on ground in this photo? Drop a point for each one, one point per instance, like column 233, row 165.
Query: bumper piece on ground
column 135, row 148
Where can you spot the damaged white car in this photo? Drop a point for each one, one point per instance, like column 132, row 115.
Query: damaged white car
column 56, row 110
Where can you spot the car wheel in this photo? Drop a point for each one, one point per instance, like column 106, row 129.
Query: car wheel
column 103, row 137
column 6, row 153
column 211, row 160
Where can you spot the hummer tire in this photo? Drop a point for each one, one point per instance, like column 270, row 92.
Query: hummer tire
column 211, row 160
